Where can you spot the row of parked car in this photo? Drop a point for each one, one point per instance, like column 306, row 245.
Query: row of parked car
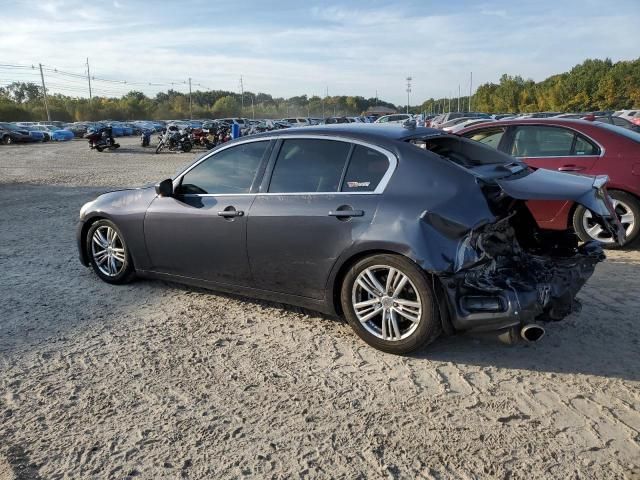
column 456, row 121
column 20, row 133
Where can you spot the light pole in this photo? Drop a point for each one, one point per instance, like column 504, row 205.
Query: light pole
column 408, row 91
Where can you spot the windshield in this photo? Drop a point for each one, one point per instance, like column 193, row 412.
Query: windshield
column 625, row 132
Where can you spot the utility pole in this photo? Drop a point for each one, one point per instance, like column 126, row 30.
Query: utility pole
column 253, row 110
column 89, row 80
column 376, row 98
column 190, row 104
column 470, row 90
column 241, row 97
column 326, row 94
column 408, row 91
column 44, row 91
column 458, row 97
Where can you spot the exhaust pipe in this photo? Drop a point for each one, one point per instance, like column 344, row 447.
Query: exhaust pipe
column 532, row 332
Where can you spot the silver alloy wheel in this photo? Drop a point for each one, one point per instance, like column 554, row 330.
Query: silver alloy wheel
column 595, row 231
column 386, row 302
column 108, row 251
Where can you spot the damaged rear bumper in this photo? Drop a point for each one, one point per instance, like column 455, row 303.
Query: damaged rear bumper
column 505, row 292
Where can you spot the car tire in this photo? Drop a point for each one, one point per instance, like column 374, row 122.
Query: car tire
column 8, row 140
column 626, row 204
column 401, row 335
column 104, row 243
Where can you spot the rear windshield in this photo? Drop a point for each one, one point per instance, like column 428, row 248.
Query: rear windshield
column 625, row 132
column 462, row 151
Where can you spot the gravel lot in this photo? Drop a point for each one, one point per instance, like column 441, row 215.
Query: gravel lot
column 154, row 380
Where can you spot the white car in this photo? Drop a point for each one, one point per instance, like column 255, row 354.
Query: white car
column 632, row 115
column 467, row 123
column 297, row 121
column 395, row 118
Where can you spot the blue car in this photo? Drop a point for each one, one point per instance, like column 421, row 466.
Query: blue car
column 36, row 135
column 60, row 134
column 51, row 132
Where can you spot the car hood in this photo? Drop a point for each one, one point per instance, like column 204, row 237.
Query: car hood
column 588, row 191
column 118, row 200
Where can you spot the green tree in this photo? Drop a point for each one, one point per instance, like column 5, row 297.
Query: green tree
column 226, row 107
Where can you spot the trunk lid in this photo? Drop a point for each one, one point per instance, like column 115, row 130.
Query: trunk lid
column 523, row 183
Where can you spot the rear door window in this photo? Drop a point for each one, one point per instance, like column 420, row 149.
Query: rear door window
column 309, row 166
column 542, row 141
column 366, row 169
column 539, row 141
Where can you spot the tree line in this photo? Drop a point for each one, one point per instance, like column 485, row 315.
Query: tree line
column 24, row 101
column 591, row 85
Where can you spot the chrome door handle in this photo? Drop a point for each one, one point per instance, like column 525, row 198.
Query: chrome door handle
column 231, row 213
column 571, row 168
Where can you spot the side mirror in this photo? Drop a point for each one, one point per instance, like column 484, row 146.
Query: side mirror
column 165, row 188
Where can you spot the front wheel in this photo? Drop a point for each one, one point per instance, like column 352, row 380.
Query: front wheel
column 389, row 303
column 627, row 208
column 108, row 253
column 186, row 147
column 159, row 147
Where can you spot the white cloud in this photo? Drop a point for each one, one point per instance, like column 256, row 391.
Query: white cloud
column 351, row 50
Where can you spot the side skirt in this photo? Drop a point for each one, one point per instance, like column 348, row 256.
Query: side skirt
column 309, row 303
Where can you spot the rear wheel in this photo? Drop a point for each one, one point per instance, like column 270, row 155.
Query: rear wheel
column 108, row 253
column 7, row 140
column 389, row 303
column 627, row 208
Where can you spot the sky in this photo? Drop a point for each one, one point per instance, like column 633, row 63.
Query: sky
column 288, row 48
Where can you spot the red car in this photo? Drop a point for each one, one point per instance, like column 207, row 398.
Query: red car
column 591, row 148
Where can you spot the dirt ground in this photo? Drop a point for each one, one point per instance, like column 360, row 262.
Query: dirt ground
column 154, row 380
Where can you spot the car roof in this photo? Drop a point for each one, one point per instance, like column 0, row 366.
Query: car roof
column 361, row 131
column 558, row 122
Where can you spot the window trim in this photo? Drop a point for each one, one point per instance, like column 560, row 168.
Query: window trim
column 393, row 162
column 270, row 162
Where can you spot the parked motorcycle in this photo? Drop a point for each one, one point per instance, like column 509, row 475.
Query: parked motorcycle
column 175, row 140
column 216, row 133
column 102, row 139
column 200, row 138
column 145, row 137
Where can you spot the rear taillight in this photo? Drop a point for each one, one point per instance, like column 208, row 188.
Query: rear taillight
column 636, row 120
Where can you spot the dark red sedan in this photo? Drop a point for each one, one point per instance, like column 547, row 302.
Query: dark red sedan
column 591, row 148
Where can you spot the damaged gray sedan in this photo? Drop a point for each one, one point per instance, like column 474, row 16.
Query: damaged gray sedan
column 405, row 232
